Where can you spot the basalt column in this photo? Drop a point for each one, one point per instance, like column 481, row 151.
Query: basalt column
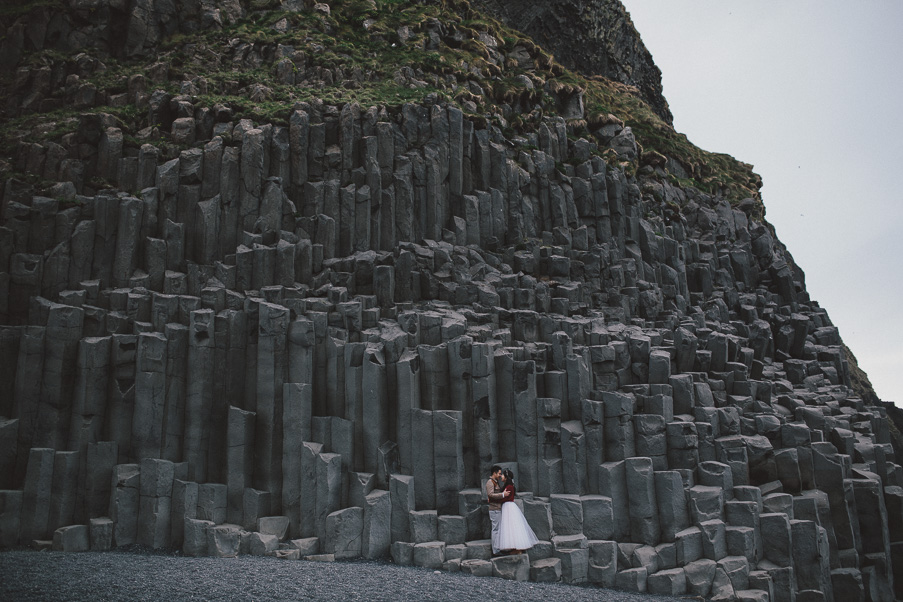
column 199, row 396
column 271, row 357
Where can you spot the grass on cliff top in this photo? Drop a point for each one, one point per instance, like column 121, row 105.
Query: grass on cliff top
column 380, row 37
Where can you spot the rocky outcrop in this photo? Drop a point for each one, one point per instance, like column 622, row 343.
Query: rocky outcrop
column 118, row 28
column 348, row 335
column 593, row 37
column 596, row 37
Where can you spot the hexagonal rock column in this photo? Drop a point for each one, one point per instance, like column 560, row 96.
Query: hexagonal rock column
column 199, row 394
column 155, row 503
column 124, row 503
column 99, row 460
column 448, row 457
column 150, row 396
column 343, row 533
column 271, row 358
column 526, row 428
column 35, row 516
column 644, row 521
column 239, row 460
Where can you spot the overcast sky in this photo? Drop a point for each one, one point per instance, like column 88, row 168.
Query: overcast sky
column 811, row 93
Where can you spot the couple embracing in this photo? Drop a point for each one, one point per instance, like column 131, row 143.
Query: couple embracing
column 511, row 534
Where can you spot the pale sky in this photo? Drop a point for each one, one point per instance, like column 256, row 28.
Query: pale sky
column 811, row 93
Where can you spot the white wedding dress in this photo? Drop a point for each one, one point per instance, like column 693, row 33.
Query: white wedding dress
column 514, row 531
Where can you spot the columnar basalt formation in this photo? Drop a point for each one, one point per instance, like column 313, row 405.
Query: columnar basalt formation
column 313, row 340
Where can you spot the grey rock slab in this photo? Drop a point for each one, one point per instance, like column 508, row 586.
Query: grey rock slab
column 515, row 567
column 344, row 530
column 430, row 555
column 223, row 541
column 73, row 538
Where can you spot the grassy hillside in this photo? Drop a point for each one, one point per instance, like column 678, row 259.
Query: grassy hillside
column 373, row 52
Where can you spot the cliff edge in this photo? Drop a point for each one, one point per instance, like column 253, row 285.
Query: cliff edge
column 595, row 37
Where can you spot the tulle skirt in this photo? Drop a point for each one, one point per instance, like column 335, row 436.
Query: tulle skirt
column 514, row 531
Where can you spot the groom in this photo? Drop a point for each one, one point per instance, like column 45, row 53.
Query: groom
column 494, row 495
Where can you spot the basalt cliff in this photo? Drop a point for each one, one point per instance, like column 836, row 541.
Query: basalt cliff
column 287, row 278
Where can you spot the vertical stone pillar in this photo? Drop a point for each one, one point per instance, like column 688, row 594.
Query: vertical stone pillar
column 644, row 523
column 10, row 337
column 345, row 221
column 672, row 504
column 64, row 328
column 527, row 447
column 619, row 442
column 99, row 460
column 271, row 357
column 296, row 429
column 594, row 430
column 320, row 370
column 27, row 392
column 484, row 417
column 81, row 245
column 613, row 484
column 239, row 461
column 231, row 331
column 184, row 507
column 106, row 219
column 434, row 377
column 407, row 398
column 448, row 458
column 199, row 394
column 335, row 377
column 341, row 442
column 354, row 399
column 504, row 391
column 155, row 504
column 573, row 457
column 90, row 392
column 150, row 396
column 460, row 398
column 329, row 489
column 252, row 174
column 401, row 489
column 299, row 124
column 363, row 220
column 873, row 529
column 580, row 380
column 423, row 467
column 10, row 517
column 38, row 487
column 549, row 478
column 64, row 490
column 125, row 260
column 374, row 411
column 310, row 453
column 301, row 345
column 206, row 232
column 9, row 434
column 829, row 478
column 377, row 532
column 121, row 397
column 251, row 313
column 124, row 500
column 812, row 557
column 176, row 381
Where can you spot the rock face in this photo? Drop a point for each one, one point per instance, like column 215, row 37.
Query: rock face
column 314, row 339
column 591, row 36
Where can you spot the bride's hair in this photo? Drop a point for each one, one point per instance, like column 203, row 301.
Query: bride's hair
column 509, row 477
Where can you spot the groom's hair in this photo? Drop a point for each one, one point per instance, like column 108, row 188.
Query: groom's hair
column 495, row 468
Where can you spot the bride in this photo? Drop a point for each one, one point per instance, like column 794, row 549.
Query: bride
column 515, row 534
